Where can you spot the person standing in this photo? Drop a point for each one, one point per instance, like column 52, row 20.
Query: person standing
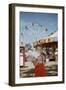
column 39, row 64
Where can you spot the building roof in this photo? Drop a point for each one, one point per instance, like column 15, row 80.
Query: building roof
column 53, row 37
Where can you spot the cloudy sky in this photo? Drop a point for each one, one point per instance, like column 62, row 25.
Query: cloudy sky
column 35, row 26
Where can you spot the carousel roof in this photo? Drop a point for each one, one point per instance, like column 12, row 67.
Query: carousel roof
column 54, row 34
column 53, row 37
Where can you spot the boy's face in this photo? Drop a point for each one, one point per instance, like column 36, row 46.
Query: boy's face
column 39, row 49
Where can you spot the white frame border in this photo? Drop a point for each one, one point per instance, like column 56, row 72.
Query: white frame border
column 40, row 79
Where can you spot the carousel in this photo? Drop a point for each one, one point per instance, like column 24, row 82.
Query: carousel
column 49, row 45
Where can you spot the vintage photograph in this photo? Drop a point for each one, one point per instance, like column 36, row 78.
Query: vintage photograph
column 38, row 44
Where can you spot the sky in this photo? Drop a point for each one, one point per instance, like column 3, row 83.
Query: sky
column 35, row 26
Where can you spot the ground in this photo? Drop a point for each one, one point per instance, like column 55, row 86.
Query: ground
column 51, row 70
